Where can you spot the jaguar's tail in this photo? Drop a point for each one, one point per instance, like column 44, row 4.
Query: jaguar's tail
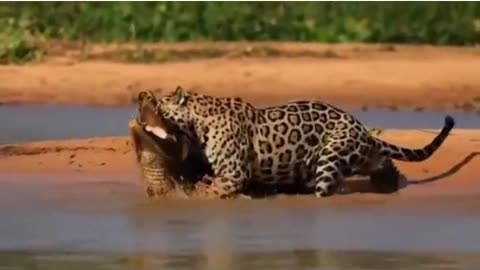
column 406, row 154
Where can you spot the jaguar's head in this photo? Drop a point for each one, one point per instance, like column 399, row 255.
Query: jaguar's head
column 178, row 107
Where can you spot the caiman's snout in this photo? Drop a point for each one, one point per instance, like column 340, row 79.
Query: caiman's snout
column 152, row 122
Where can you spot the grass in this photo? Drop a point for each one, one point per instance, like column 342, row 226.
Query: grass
column 18, row 47
column 161, row 54
column 32, row 50
column 146, row 55
column 25, row 25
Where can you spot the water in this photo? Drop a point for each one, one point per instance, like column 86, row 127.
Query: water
column 52, row 122
column 50, row 222
column 106, row 222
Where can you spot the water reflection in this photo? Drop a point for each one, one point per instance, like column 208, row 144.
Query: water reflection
column 48, row 224
column 294, row 259
column 229, row 241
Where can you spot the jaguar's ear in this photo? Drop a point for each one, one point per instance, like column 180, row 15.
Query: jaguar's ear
column 181, row 96
column 141, row 95
column 145, row 95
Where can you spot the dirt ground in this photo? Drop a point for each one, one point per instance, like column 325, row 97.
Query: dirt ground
column 452, row 171
column 355, row 76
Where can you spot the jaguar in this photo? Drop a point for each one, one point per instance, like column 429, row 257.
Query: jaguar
column 309, row 140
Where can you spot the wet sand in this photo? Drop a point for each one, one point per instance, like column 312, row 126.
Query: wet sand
column 452, row 171
column 351, row 76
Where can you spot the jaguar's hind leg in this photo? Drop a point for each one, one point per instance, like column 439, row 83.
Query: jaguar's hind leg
column 385, row 178
column 327, row 179
column 330, row 167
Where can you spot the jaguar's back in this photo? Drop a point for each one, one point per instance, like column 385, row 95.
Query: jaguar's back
column 288, row 136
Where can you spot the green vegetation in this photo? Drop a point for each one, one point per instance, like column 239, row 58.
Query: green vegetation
column 22, row 24
column 17, row 45
column 159, row 54
column 420, row 22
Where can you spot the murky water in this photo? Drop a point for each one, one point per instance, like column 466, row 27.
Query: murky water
column 47, row 222
column 107, row 223
column 64, row 122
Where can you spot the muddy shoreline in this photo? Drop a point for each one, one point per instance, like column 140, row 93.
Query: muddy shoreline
column 452, row 171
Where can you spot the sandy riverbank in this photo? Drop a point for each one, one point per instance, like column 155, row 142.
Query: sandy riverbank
column 453, row 170
column 355, row 76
